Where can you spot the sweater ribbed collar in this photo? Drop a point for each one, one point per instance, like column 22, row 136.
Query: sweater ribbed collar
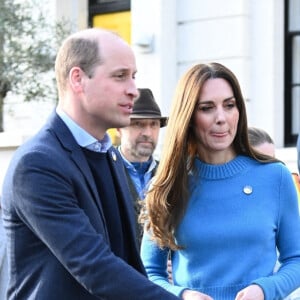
column 237, row 165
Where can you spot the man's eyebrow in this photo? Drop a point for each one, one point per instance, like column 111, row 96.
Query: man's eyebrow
column 119, row 70
column 123, row 69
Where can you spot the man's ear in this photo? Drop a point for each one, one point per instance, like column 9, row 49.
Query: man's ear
column 76, row 79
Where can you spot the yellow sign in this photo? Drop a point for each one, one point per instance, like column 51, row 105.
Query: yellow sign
column 119, row 22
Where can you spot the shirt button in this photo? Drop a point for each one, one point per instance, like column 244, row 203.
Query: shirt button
column 97, row 147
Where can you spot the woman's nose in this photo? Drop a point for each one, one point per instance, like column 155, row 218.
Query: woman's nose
column 220, row 115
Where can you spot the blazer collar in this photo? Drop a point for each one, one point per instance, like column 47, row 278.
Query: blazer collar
column 68, row 142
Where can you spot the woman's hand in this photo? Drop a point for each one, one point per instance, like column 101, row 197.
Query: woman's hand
column 251, row 292
column 194, row 295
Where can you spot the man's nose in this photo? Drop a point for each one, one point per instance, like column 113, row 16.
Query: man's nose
column 147, row 130
column 132, row 89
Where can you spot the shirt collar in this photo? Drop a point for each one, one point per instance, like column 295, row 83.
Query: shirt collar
column 82, row 137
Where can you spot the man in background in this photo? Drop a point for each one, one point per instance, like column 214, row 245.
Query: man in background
column 138, row 142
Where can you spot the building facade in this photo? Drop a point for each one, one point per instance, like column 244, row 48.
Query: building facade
column 258, row 40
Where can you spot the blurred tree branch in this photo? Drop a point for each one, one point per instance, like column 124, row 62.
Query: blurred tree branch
column 29, row 39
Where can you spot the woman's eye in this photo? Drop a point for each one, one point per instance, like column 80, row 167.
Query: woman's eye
column 205, row 108
column 230, row 105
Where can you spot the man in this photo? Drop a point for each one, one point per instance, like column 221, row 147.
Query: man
column 66, row 210
column 138, row 142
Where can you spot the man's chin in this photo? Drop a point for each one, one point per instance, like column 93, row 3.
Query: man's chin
column 145, row 152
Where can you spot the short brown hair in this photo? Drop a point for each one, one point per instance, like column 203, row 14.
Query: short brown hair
column 78, row 50
column 258, row 136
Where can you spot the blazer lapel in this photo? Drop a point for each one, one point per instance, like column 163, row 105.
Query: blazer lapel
column 118, row 173
column 67, row 140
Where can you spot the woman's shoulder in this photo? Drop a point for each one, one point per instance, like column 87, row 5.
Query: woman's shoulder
column 272, row 168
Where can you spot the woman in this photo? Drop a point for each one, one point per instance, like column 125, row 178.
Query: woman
column 219, row 205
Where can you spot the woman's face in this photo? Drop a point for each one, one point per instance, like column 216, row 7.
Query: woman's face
column 215, row 121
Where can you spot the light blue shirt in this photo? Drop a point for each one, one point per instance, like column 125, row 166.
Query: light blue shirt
column 140, row 185
column 82, row 137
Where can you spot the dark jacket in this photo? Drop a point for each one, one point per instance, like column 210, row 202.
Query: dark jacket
column 58, row 243
column 137, row 203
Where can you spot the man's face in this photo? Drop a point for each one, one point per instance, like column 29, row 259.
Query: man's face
column 139, row 139
column 106, row 98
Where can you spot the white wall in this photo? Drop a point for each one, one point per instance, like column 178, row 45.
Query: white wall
column 157, row 69
column 8, row 144
column 266, row 88
column 75, row 11
column 245, row 35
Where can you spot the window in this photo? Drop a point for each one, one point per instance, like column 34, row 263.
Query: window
column 292, row 71
column 100, row 7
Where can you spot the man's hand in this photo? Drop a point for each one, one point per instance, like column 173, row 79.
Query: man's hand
column 251, row 292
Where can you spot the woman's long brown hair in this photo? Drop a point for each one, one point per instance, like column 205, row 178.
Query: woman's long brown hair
column 167, row 198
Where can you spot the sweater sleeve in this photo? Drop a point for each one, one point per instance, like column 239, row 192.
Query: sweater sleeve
column 287, row 279
column 155, row 262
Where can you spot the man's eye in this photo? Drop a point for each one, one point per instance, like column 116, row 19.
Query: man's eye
column 137, row 125
column 120, row 76
column 155, row 125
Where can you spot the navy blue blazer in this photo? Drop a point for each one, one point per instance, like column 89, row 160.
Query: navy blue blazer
column 58, row 243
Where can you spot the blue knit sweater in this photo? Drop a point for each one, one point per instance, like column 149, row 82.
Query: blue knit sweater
column 238, row 213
